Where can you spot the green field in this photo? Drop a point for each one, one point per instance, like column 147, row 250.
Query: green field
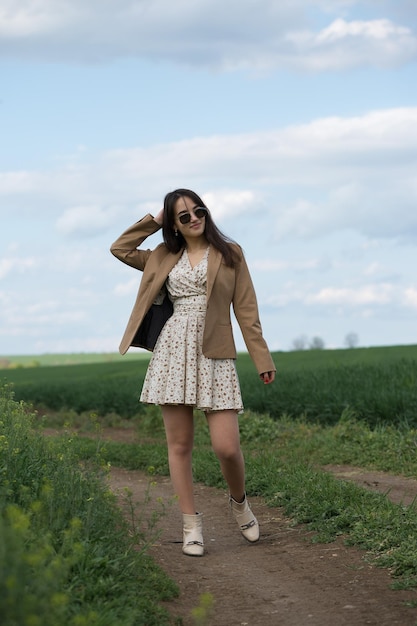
column 379, row 385
column 76, row 358
column 294, row 359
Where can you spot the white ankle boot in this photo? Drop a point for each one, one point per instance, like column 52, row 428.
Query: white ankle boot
column 193, row 534
column 248, row 523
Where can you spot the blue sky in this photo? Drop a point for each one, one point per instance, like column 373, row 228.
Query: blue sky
column 296, row 121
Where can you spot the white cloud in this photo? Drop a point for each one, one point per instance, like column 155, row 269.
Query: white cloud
column 365, row 298
column 127, row 288
column 372, row 269
column 377, row 29
column 35, row 316
column 15, row 264
column 208, row 33
column 101, row 342
column 345, row 44
column 22, row 182
column 358, row 296
column 86, row 220
column 277, row 265
column 329, row 175
column 26, row 18
column 329, row 149
column 410, row 297
column 224, row 203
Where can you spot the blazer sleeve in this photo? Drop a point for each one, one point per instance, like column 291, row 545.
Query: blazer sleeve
column 125, row 248
column 245, row 308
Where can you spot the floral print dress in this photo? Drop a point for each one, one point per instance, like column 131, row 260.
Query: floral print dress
column 178, row 372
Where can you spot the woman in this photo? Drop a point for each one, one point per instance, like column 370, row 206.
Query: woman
column 193, row 362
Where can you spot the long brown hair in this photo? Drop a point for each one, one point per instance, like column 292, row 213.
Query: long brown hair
column 213, row 235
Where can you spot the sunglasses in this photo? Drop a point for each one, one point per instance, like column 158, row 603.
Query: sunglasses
column 199, row 212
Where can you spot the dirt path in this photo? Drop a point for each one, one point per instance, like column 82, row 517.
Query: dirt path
column 284, row 580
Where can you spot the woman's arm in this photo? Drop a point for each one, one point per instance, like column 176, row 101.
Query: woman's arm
column 125, row 248
column 245, row 307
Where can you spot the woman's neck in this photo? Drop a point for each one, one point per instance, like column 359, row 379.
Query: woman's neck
column 196, row 245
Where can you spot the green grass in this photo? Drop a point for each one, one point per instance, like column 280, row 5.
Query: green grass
column 378, row 384
column 67, row 555
column 313, row 359
column 41, row 360
column 304, row 359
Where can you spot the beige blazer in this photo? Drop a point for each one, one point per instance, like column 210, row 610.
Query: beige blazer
column 225, row 286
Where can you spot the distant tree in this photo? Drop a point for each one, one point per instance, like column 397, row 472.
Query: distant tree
column 299, row 343
column 351, row 340
column 317, row 343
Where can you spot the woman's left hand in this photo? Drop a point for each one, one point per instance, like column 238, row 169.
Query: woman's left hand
column 267, row 377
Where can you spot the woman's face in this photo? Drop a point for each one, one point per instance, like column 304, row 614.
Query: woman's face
column 196, row 226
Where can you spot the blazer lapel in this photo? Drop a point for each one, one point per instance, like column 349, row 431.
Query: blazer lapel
column 168, row 263
column 213, row 265
column 163, row 270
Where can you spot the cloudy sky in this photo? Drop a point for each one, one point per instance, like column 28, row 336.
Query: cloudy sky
column 296, row 120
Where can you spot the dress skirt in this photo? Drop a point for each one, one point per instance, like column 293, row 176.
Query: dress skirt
column 178, row 372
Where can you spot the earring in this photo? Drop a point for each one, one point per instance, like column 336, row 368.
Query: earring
column 176, row 232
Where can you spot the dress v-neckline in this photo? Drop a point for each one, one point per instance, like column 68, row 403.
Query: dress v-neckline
column 200, row 261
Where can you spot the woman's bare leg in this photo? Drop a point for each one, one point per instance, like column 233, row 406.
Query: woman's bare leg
column 179, row 430
column 224, row 431
column 225, row 439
